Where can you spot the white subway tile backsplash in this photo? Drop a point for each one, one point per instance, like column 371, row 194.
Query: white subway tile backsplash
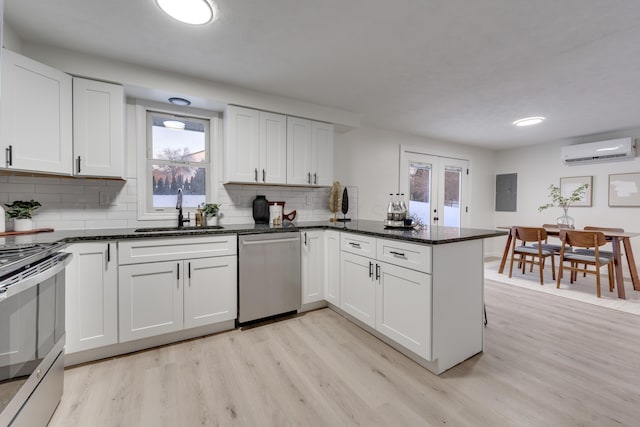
column 75, row 203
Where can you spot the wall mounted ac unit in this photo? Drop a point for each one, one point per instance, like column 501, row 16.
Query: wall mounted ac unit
column 601, row 151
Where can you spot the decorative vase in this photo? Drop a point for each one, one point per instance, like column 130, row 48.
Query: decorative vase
column 210, row 221
column 22, row 224
column 565, row 221
column 261, row 210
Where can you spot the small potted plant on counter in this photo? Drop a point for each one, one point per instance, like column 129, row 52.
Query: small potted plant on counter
column 210, row 210
column 21, row 212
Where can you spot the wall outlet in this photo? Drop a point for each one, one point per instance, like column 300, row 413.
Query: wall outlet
column 309, row 200
column 105, row 198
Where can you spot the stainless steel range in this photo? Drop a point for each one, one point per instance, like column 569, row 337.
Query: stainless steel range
column 32, row 331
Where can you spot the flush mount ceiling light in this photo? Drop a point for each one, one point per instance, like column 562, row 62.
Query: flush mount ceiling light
column 528, row 121
column 195, row 12
column 173, row 124
column 179, row 101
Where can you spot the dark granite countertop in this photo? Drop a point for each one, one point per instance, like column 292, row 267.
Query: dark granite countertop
column 429, row 235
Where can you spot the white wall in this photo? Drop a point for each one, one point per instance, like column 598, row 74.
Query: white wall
column 540, row 166
column 368, row 159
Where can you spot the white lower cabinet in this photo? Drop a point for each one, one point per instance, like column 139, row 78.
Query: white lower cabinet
column 358, row 292
column 332, row 267
column 210, row 292
column 150, row 299
column 91, row 297
column 403, row 307
column 170, row 295
column 161, row 297
column 312, row 268
column 394, row 300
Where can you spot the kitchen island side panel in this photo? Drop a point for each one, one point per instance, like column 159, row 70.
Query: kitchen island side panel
column 458, row 298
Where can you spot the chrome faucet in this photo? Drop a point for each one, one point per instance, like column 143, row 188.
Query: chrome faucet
column 181, row 219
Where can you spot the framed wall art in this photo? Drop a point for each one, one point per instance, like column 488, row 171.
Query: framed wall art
column 624, row 189
column 569, row 184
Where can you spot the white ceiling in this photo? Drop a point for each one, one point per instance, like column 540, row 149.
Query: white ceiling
column 456, row 70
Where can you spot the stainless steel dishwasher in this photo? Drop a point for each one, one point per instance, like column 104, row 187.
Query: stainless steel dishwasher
column 269, row 275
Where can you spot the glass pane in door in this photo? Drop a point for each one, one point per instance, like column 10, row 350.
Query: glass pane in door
column 420, row 190
column 452, row 195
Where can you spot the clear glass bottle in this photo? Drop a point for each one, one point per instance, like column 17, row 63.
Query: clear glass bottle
column 404, row 208
column 390, row 210
column 398, row 221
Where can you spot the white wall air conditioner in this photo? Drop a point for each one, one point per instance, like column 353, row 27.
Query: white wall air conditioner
column 601, row 151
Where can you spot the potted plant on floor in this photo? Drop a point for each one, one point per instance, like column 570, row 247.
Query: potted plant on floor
column 21, row 212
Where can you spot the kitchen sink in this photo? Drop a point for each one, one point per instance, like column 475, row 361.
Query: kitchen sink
column 174, row 229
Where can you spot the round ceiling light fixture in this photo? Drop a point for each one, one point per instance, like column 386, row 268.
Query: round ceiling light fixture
column 528, row 121
column 174, row 124
column 179, row 101
column 194, row 12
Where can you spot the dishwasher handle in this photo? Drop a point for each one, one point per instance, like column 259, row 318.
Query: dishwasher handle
column 261, row 242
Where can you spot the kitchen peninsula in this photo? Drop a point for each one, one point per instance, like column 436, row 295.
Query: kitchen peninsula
column 420, row 291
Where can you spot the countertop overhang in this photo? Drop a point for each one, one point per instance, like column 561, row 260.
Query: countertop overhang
column 431, row 235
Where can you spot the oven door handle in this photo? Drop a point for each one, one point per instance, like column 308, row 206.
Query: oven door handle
column 36, row 277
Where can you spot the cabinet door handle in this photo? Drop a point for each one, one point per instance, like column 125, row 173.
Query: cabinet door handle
column 315, row 178
column 370, row 269
column 355, row 245
column 377, row 271
column 264, row 176
column 189, row 273
column 308, row 177
column 305, row 239
column 108, row 253
column 400, row 254
column 9, row 155
column 78, row 164
column 178, row 276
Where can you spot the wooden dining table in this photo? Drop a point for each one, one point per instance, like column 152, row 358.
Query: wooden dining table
column 618, row 240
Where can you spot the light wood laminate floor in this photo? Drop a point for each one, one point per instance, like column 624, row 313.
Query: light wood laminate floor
column 548, row 361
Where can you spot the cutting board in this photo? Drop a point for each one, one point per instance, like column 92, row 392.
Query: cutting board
column 18, row 233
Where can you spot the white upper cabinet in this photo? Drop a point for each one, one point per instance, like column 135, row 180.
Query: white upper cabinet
column 255, row 146
column 35, row 116
column 322, row 151
column 98, row 128
column 309, row 152
column 299, row 152
column 273, row 148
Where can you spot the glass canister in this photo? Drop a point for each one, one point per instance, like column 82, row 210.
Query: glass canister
column 261, row 210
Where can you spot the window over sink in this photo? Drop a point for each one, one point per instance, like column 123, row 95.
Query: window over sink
column 174, row 148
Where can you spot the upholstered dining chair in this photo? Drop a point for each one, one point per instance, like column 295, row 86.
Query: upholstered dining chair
column 590, row 251
column 537, row 254
column 580, row 261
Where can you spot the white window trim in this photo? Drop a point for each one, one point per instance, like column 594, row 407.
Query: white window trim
column 142, row 180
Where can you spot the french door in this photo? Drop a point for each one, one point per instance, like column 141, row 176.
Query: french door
column 435, row 186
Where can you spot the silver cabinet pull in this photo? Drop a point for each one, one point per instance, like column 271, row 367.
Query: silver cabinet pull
column 108, row 253
column 355, row 245
column 189, row 273
column 370, row 269
column 178, row 276
column 308, row 177
column 305, row 239
column 264, row 176
column 400, row 254
column 315, row 178
column 377, row 272
column 78, row 163
column 255, row 174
